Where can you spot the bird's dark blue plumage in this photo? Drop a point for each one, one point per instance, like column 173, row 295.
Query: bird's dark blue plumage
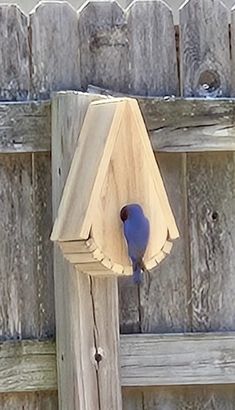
column 136, row 231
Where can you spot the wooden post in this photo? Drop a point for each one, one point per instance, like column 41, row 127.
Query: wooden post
column 86, row 308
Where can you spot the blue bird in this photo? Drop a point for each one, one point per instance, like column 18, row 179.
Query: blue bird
column 136, row 231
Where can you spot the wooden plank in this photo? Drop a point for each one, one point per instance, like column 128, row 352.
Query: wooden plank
column 145, row 359
column 219, row 397
column 54, row 46
column 26, row 292
column 211, row 206
column 187, row 125
column 25, row 127
column 27, row 366
column 174, row 125
column 81, row 302
column 152, row 49
column 233, row 51
column 29, row 401
column 103, row 45
column 150, row 360
column 14, row 54
column 204, row 49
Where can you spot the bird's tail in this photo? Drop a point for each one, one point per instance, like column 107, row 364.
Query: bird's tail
column 137, row 275
column 138, row 268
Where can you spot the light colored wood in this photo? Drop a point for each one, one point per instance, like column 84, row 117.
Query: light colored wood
column 14, row 53
column 26, row 275
column 103, row 45
column 77, row 246
column 109, row 183
column 54, row 49
column 152, row 49
column 27, row 366
column 204, row 49
column 148, row 360
column 25, row 127
column 211, row 204
column 81, row 302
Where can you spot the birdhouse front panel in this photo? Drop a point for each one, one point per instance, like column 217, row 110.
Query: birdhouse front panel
column 121, row 170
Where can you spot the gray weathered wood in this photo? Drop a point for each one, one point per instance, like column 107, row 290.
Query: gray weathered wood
column 145, row 360
column 219, row 397
column 190, row 125
column 86, row 308
column 25, row 127
column 204, row 49
column 27, row 303
column 27, row 366
column 148, row 360
column 29, row 401
column 14, row 54
column 152, row 49
column 233, row 52
column 103, row 45
column 54, row 49
column 164, row 297
column 211, row 205
column 174, row 125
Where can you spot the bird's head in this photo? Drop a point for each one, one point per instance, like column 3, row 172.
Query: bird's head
column 130, row 210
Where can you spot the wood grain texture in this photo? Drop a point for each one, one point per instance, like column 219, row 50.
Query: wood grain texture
column 152, row 49
column 185, row 125
column 145, row 359
column 25, row 127
column 164, row 298
column 54, row 48
column 174, row 125
column 103, row 45
column 219, row 397
column 27, row 366
column 82, row 304
column 233, row 51
column 211, row 204
column 150, row 360
column 26, row 292
column 204, row 49
column 14, row 54
column 29, row 401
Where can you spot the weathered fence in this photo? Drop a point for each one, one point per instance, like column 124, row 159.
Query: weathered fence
column 135, row 51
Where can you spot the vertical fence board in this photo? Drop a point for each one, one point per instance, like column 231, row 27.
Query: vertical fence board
column 26, row 311
column 211, row 196
column 29, row 401
column 220, row 397
column 43, row 259
column 54, row 46
column 164, row 299
column 103, row 45
column 152, row 49
column 204, row 49
column 233, row 52
column 87, row 317
column 14, row 54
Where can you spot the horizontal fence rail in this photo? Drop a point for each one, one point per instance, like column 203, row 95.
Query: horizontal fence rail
column 174, row 125
column 146, row 360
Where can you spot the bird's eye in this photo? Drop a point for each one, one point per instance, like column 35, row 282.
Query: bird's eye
column 124, row 214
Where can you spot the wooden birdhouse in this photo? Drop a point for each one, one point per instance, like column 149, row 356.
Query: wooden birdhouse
column 113, row 165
